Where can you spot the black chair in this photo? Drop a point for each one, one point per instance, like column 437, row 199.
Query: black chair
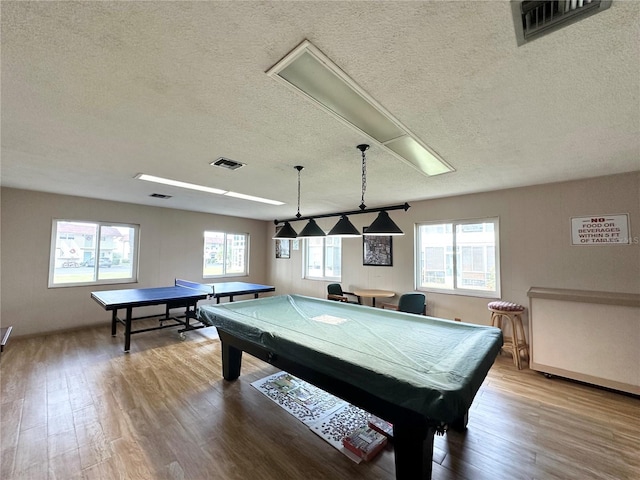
column 335, row 292
column 412, row 303
column 409, row 303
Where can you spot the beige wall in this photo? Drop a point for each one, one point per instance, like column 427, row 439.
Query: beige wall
column 171, row 243
column 534, row 236
column 535, row 245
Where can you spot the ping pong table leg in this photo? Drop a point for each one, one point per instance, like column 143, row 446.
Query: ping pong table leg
column 114, row 321
column 127, row 330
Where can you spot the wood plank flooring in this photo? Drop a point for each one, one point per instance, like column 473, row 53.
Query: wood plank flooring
column 74, row 406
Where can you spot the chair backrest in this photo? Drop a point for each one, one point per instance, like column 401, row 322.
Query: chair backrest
column 334, row 289
column 412, row 303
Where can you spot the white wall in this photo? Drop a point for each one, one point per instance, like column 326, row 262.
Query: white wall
column 535, row 245
column 171, row 245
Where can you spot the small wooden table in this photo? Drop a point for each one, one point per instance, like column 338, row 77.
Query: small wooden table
column 372, row 294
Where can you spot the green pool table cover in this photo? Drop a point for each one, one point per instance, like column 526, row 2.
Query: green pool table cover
column 428, row 365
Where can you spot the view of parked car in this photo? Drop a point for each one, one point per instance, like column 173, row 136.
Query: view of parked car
column 102, row 262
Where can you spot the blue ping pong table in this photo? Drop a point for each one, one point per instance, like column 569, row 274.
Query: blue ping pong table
column 184, row 294
column 231, row 289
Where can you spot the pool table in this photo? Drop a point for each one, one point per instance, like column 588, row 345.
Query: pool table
column 419, row 373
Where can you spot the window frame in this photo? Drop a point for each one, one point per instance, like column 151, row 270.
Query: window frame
column 458, row 290
column 53, row 247
column 225, row 274
column 305, row 263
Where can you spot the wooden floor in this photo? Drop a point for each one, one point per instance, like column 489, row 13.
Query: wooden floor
column 74, row 406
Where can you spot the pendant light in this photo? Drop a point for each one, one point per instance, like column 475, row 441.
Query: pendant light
column 311, row 229
column 287, row 231
column 382, row 225
column 344, row 228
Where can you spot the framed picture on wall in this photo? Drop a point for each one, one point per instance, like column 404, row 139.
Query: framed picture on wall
column 283, row 247
column 377, row 251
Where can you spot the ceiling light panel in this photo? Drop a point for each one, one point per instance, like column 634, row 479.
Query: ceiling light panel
column 177, row 183
column 253, row 199
column 319, row 82
column 311, row 73
column 417, row 155
column 202, row 188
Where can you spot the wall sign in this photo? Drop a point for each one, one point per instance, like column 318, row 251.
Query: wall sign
column 600, row 230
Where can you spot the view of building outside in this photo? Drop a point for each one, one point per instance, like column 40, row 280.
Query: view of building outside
column 225, row 254
column 474, row 266
column 324, row 257
column 87, row 252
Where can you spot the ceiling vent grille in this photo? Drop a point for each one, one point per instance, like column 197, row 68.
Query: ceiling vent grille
column 227, row 163
column 535, row 18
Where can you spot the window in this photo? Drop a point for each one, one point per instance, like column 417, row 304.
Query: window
column 473, row 270
column 76, row 258
column 225, row 254
column 323, row 258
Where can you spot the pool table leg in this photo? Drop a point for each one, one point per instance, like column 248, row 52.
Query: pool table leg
column 413, row 452
column 460, row 425
column 231, row 361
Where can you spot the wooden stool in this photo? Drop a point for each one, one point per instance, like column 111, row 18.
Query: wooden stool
column 518, row 341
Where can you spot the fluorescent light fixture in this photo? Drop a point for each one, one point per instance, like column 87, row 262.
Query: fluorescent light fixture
column 311, row 73
column 176, row 183
column 202, row 188
column 253, row 199
column 418, row 155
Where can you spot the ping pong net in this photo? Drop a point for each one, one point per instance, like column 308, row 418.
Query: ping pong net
column 200, row 287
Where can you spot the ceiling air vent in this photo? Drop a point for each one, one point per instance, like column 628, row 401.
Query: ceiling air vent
column 159, row 195
column 227, row 163
column 535, row 18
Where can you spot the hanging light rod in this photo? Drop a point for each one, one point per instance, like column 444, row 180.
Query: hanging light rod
column 404, row 207
column 382, row 225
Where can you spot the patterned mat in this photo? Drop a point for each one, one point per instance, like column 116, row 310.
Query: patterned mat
column 326, row 415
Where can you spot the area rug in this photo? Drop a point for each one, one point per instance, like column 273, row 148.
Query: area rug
column 326, row 415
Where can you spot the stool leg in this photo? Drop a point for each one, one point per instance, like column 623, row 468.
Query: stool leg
column 515, row 342
column 523, row 345
column 496, row 322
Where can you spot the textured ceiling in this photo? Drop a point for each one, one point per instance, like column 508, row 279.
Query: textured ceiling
column 94, row 93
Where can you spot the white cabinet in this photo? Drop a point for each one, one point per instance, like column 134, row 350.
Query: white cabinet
column 589, row 336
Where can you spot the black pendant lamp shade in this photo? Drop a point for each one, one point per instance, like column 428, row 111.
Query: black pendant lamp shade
column 286, row 232
column 344, row 228
column 311, row 230
column 383, row 225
